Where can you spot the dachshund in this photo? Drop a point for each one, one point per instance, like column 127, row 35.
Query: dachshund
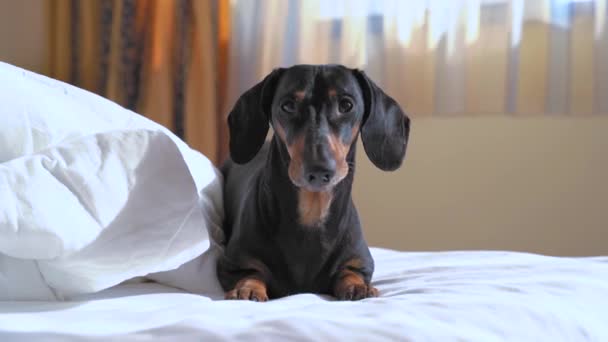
column 290, row 223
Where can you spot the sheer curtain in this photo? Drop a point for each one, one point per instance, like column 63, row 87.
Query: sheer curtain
column 438, row 57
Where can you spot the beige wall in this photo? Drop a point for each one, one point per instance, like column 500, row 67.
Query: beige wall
column 535, row 184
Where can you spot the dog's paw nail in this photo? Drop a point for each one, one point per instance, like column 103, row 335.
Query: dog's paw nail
column 244, row 293
column 372, row 292
column 230, row 295
column 360, row 292
column 356, row 292
column 257, row 296
column 247, row 293
column 346, row 293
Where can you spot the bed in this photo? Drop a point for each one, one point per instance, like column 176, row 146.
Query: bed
column 94, row 247
column 449, row 296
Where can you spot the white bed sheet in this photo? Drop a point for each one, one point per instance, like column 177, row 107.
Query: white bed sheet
column 466, row 296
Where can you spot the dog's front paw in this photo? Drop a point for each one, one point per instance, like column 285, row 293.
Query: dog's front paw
column 248, row 289
column 355, row 291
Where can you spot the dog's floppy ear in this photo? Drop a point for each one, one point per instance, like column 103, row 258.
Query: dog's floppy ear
column 385, row 128
column 248, row 121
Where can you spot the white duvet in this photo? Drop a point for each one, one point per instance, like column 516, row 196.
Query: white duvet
column 451, row 296
column 92, row 194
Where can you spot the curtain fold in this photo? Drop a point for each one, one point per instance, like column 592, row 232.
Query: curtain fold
column 437, row 57
column 224, row 33
column 156, row 57
column 201, row 94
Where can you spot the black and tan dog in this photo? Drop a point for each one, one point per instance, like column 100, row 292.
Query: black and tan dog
column 291, row 225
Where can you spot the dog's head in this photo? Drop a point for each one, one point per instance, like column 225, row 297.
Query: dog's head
column 317, row 113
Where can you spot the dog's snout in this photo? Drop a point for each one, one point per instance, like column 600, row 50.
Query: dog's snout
column 319, row 176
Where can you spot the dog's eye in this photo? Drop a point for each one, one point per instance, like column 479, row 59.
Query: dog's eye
column 289, row 106
column 345, row 105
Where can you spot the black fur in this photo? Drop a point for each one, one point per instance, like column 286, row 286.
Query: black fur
column 265, row 240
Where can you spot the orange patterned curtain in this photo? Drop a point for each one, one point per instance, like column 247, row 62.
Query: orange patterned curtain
column 163, row 59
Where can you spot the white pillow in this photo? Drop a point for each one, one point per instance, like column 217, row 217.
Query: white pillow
column 92, row 194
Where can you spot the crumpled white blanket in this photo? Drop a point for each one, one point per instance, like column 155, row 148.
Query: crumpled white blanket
column 437, row 296
column 92, row 194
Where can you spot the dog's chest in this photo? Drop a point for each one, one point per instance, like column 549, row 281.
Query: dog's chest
column 306, row 255
column 313, row 207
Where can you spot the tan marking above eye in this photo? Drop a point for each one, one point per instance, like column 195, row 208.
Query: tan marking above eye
column 332, row 92
column 299, row 95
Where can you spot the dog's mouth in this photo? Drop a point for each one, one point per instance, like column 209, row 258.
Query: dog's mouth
column 313, row 184
column 311, row 188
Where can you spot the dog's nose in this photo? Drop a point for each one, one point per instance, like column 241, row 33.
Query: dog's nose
column 320, row 175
